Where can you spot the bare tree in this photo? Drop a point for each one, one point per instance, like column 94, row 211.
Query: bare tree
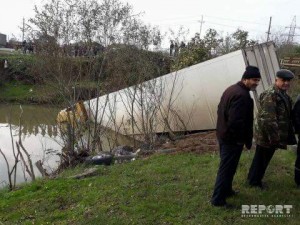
column 27, row 163
column 11, row 182
column 55, row 19
column 123, row 37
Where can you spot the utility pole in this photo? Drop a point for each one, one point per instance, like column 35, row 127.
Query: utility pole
column 268, row 33
column 23, row 29
column 201, row 22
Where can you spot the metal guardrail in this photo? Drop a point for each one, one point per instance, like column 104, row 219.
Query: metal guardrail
column 290, row 61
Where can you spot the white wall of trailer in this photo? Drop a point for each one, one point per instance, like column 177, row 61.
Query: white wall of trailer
column 264, row 57
column 187, row 99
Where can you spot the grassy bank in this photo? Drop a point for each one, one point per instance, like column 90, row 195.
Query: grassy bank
column 162, row 189
column 18, row 92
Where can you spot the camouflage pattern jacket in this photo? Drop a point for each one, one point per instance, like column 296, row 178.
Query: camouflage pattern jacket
column 273, row 124
column 296, row 115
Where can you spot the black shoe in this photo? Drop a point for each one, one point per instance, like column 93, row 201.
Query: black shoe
column 232, row 193
column 219, row 204
column 224, row 205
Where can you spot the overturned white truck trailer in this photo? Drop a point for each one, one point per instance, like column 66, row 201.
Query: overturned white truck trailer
column 185, row 100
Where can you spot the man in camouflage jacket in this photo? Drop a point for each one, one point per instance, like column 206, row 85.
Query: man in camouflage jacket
column 273, row 128
column 296, row 122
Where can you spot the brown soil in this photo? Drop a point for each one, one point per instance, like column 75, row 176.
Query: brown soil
column 197, row 143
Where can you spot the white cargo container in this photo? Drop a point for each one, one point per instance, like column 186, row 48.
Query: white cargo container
column 2, row 40
column 185, row 100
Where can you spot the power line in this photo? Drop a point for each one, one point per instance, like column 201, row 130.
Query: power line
column 224, row 25
column 206, row 21
column 235, row 27
column 190, row 18
column 183, row 20
column 234, row 20
column 248, row 26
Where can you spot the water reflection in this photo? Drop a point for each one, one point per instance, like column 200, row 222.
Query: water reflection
column 39, row 135
column 34, row 119
column 43, row 129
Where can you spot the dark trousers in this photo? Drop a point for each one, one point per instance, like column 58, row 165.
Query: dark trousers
column 230, row 156
column 297, row 165
column 259, row 164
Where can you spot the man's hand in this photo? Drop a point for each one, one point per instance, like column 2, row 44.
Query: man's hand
column 280, row 146
column 248, row 145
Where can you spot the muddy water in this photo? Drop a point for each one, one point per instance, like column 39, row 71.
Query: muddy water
column 39, row 135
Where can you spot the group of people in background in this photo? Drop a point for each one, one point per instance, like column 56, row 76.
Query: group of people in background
column 75, row 50
column 277, row 122
column 27, row 47
column 175, row 48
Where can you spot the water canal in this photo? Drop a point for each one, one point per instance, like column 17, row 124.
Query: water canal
column 39, row 134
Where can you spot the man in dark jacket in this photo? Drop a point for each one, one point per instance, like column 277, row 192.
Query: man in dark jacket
column 234, row 130
column 296, row 122
column 273, row 129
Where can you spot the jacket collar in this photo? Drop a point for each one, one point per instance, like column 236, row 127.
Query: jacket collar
column 276, row 89
column 240, row 83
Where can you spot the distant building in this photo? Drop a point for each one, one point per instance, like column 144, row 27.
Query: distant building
column 2, row 40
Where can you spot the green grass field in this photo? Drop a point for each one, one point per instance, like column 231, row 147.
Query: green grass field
column 162, row 189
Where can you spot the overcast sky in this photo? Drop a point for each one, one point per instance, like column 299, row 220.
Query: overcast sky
column 224, row 16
